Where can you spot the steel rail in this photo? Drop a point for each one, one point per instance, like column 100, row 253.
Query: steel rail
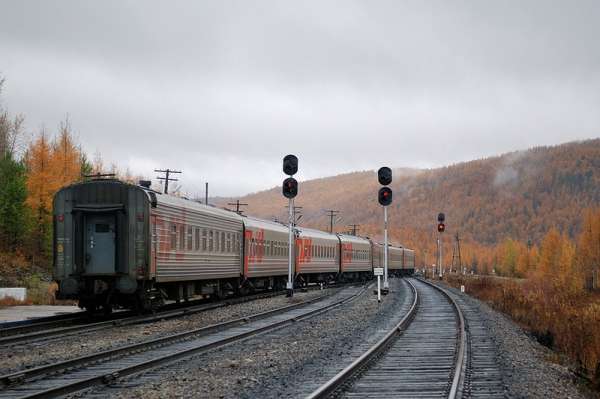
column 350, row 371
column 127, row 319
column 355, row 368
column 35, row 374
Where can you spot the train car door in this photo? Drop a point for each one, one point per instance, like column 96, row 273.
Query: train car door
column 100, row 247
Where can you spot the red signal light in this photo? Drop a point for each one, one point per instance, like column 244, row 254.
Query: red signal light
column 441, row 227
column 60, row 218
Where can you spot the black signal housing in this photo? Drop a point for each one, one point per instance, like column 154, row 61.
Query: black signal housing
column 385, row 196
column 290, row 187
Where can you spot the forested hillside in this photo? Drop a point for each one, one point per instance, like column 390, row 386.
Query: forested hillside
column 519, row 195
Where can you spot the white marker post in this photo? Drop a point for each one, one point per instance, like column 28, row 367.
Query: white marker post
column 378, row 271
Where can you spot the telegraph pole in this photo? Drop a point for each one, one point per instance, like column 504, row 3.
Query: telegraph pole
column 237, row 204
column 332, row 213
column 167, row 179
column 206, row 194
column 355, row 228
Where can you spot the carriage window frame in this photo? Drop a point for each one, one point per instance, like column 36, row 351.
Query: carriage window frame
column 197, row 239
column 204, row 240
column 173, row 234
column 189, row 237
column 223, row 241
column 211, row 244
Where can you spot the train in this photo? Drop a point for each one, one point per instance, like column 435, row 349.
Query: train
column 122, row 245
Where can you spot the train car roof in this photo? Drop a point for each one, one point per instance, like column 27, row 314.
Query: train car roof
column 165, row 199
column 353, row 239
column 306, row 232
column 250, row 221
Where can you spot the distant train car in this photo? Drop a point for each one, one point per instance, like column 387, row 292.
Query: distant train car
column 317, row 256
column 355, row 259
column 395, row 261
column 409, row 262
column 395, row 258
column 266, row 250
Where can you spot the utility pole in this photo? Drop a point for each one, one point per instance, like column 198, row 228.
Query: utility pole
column 167, row 179
column 332, row 213
column 355, row 228
column 206, row 194
column 237, row 204
column 456, row 258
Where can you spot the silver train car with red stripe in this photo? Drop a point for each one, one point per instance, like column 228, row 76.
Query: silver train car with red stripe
column 122, row 245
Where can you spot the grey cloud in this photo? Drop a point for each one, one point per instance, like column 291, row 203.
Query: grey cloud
column 223, row 89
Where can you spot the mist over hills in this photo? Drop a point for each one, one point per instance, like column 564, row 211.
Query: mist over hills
column 519, row 195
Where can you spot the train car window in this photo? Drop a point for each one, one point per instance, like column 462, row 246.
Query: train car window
column 272, row 247
column 190, row 231
column 210, row 241
column 197, row 239
column 182, row 237
column 222, row 241
column 173, row 236
column 229, row 242
column 204, row 237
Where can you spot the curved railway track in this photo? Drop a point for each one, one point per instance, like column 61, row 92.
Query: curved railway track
column 80, row 373
column 423, row 356
column 66, row 325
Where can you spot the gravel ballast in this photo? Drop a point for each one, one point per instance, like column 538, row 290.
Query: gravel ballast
column 30, row 355
column 290, row 362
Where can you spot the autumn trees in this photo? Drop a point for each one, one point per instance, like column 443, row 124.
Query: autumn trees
column 30, row 175
column 50, row 165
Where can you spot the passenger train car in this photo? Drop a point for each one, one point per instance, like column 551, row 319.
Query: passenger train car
column 118, row 244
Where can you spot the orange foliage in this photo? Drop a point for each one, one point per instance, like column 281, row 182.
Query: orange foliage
column 553, row 302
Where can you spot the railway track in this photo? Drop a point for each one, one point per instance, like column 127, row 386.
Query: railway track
column 103, row 367
column 424, row 356
column 61, row 326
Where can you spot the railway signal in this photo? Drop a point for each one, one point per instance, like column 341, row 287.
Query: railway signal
column 385, row 196
column 290, row 165
column 290, row 190
column 441, row 227
column 384, row 176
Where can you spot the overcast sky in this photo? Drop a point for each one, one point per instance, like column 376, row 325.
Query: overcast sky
column 224, row 89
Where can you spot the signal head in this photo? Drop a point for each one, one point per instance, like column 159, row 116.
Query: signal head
column 441, row 227
column 441, row 217
column 385, row 196
column 384, row 175
column 290, row 165
column 290, row 187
